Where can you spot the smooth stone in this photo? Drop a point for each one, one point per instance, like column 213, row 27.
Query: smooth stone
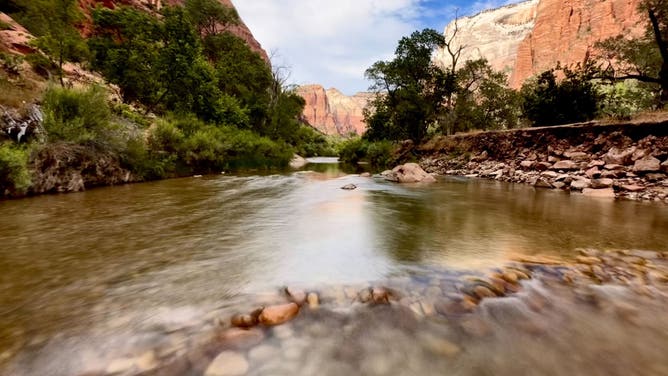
column 603, row 193
column 313, row 300
column 559, row 185
column 593, row 173
column 243, row 320
column 380, row 295
column 411, row 173
column 647, row 164
column 296, row 295
column 633, row 187
column 483, row 292
column 581, row 184
column 365, row 295
column 365, row 175
column 440, row 346
column 565, row 165
column 601, row 183
column 279, row 314
column 262, row 353
column 349, row 187
column 121, row 365
column 542, row 183
column 227, row 363
column 242, row 337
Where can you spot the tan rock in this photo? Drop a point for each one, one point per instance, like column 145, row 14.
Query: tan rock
column 298, row 162
column 411, row 173
column 664, row 166
column 633, row 187
column 578, row 185
column 565, row 165
column 647, row 164
column 601, row 183
column 603, row 193
column 227, row 363
column 278, row 314
column 313, row 301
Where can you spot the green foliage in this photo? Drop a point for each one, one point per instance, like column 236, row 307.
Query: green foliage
column 42, row 65
column 80, row 116
column 5, row 26
column 54, row 24
column 623, row 99
column 410, row 89
column 547, row 101
column 210, row 16
column 14, row 173
column 379, row 154
column 483, row 100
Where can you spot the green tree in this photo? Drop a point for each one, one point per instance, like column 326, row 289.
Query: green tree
column 125, row 46
column 53, row 22
column 210, row 16
column 644, row 59
column 411, row 90
column 548, row 101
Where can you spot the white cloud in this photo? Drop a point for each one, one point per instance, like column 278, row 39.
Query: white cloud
column 330, row 42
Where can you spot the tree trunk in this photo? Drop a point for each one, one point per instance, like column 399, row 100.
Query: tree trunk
column 663, row 49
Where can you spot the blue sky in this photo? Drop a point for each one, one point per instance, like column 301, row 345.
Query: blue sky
column 332, row 42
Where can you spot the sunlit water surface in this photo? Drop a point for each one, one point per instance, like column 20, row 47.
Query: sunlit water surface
column 73, row 263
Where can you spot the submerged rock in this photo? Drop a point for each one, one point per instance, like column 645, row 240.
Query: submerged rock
column 227, row 363
column 349, row 187
column 298, row 162
column 279, row 314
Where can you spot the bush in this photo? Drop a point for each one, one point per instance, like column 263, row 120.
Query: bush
column 14, row 174
column 379, row 154
column 42, row 65
column 80, row 116
column 624, row 99
column 547, row 101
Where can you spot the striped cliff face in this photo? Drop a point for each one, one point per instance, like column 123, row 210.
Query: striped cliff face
column 528, row 38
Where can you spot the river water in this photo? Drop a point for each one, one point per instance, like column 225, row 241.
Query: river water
column 72, row 265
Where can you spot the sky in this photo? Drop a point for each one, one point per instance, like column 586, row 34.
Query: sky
column 332, row 42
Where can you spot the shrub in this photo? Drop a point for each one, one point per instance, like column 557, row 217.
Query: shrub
column 380, row 154
column 14, row 174
column 624, row 99
column 80, row 116
column 353, row 150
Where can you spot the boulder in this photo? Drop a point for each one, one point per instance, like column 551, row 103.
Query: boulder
column 633, row 187
column 577, row 156
column 593, row 172
column 580, row 184
column 527, row 165
column 664, row 166
column 647, row 164
column 618, row 156
column 601, row 183
column 410, row 173
column 604, row 193
column 565, row 165
column 297, row 162
column 279, row 314
column 542, row 183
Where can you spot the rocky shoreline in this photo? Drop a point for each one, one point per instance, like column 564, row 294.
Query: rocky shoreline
column 442, row 314
column 628, row 161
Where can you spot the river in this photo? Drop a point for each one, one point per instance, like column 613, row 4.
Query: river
column 89, row 264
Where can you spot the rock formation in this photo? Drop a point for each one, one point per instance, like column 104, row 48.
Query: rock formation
column 566, row 31
column 494, row 34
column 528, row 38
column 240, row 30
column 332, row 112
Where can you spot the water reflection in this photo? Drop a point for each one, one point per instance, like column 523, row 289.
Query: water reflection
column 74, row 262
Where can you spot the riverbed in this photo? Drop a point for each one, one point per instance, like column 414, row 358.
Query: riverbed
column 85, row 273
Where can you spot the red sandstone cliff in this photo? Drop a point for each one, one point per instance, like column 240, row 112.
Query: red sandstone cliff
column 240, row 30
column 332, row 112
column 566, row 30
column 528, row 38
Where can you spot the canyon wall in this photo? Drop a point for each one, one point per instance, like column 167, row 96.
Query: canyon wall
column 493, row 34
column 530, row 37
column 240, row 30
column 332, row 112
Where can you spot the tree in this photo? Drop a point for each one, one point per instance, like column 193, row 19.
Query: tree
column 210, row 16
column 410, row 89
column 53, row 22
column 547, row 101
column 644, row 59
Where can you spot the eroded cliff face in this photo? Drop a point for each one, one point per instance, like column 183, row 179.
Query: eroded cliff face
column 494, row 35
column 240, row 30
column 566, row 30
column 530, row 37
column 332, row 112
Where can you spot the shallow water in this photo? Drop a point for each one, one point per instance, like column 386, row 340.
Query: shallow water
column 84, row 265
